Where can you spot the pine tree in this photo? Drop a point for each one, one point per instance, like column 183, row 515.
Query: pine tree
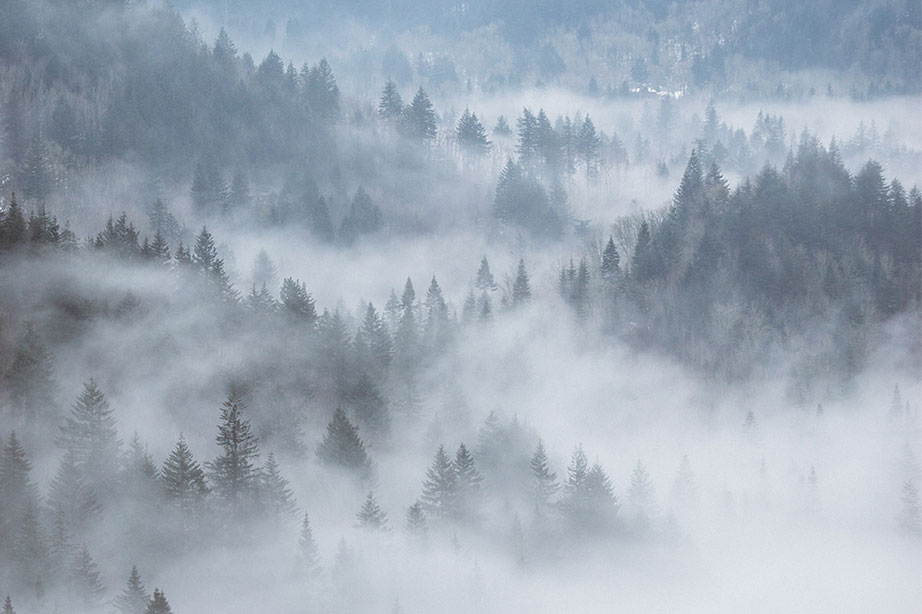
column 611, row 263
column 37, row 179
column 264, row 270
column 390, row 105
column 501, row 127
column 91, row 435
column 406, row 341
column 528, row 138
column 8, row 605
column 233, row 474
column 158, row 604
column 274, row 489
column 43, row 228
column 440, row 488
column 545, row 480
column 183, row 479
column 371, row 516
column 160, row 249
column 18, row 493
column 436, row 316
column 322, row 93
column 310, row 555
column 29, row 546
column 416, row 523
column 342, row 447
column 139, row 473
column 85, row 581
column 468, row 485
column 373, row 343
column 211, row 268
column 134, row 597
column 643, row 264
column 521, row 291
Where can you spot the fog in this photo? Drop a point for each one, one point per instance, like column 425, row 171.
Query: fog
column 335, row 357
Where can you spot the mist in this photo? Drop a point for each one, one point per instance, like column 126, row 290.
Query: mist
column 495, row 308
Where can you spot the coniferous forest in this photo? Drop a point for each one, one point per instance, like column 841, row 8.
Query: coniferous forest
column 464, row 307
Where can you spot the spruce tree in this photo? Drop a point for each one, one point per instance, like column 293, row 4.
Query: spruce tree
column 134, row 597
column 611, row 263
column 390, row 105
column 416, row 523
column 310, row 555
column 274, row 489
column 91, row 435
column 158, row 604
column 641, row 496
column 468, row 485
column 369, row 408
column 296, row 303
column 419, row 117
column 910, row 517
column 342, row 447
column 484, row 281
column 545, row 480
column 371, row 517
column 71, row 498
column 521, row 290
column 13, row 225
column 440, row 489
column 183, row 479
column 85, row 581
column 471, row 135
column 233, row 474
column 588, row 144
column 8, row 605
column 30, row 378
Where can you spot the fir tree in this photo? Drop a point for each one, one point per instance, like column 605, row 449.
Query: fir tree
column 71, row 498
column 233, row 475
column 91, row 436
column 160, row 249
column 134, row 597
column 211, row 268
column 484, row 281
column 588, row 144
column 472, row 138
column 545, row 480
column 468, row 485
column 369, row 408
column 264, row 270
column 297, row 303
column 641, row 496
column 521, row 291
column 416, row 523
column 29, row 548
column 611, row 263
column 371, row 517
column 8, row 605
column 322, row 93
column 17, row 491
column 440, row 488
column 310, row 555
column 910, row 517
column 158, row 604
column 85, row 581
column 183, row 479
column 342, row 447
column 373, row 343
column 390, row 105
column 37, row 180
column 30, row 377
column 13, row 225
column 274, row 489
column 419, row 118
column 501, row 127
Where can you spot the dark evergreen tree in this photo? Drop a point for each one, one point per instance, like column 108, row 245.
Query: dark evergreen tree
column 322, row 94
column 373, row 344
column 264, row 271
column 234, row 478
column 545, row 480
column 342, row 447
column 310, row 555
column 471, row 135
column 364, row 217
column 419, row 118
column 501, row 127
column 13, row 225
column 437, row 325
column 390, row 105
column 369, row 408
column 71, row 498
column 611, row 263
column 211, row 268
column 371, row 517
column 30, row 378
column 8, row 605
column 134, row 597
column 160, row 249
column 521, row 290
column 296, row 303
column 468, row 486
column 440, row 489
column 29, row 547
column 528, row 138
column 276, row 495
column 37, row 178
column 43, row 228
column 416, row 523
column 158, row 604
column 91, row 436
column 588, row 145
column 643, row 264
column 484, row 281
column 183, row 480
column 85, row 581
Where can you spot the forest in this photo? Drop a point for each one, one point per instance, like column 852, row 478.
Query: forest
column 593, row 305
